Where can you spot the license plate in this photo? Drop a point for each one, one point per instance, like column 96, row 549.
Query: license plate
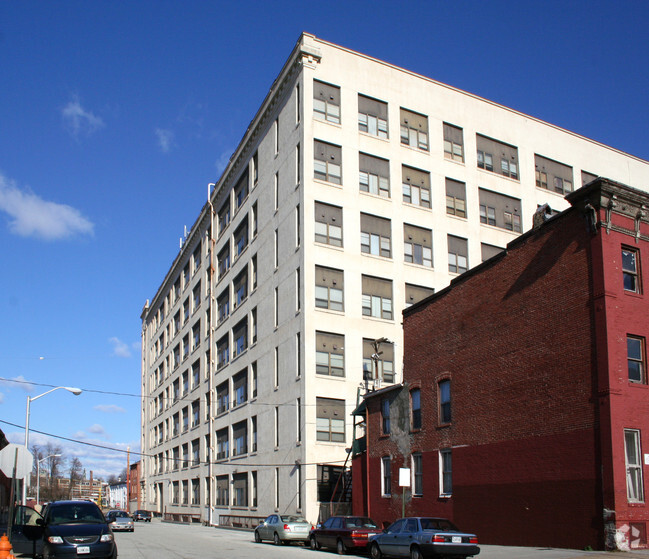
column 300, row 528
column 83, row 550
column 456, row 539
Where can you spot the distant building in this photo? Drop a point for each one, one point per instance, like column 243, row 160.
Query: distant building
column 358, row 189
column 524, row 409
column 117, row 497
column 134, row 487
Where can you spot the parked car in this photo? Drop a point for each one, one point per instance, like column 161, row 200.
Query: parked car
column 344, row 533
column 64, row 529
column 418, row 537
column 120, row 520
column 284, row 528
column 143, row 515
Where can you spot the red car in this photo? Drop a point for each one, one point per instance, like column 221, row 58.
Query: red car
column 344, row 533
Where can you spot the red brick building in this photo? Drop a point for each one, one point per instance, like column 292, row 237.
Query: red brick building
column 524, row 412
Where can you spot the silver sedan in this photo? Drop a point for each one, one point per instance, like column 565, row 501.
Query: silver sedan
column 284, row 528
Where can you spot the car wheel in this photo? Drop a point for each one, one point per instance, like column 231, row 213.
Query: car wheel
column 315, row 545
column 375, row 551
column 415, row 553
column 257, row 537
column 340, row 548
column 276, row 539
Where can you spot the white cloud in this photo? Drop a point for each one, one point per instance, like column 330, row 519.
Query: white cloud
column 165, row 139
column 222, row 161
column 78, row 120
column 97, row 429
column 31, row 216
column 18, row 382
column 120, row 349
column 109, row 408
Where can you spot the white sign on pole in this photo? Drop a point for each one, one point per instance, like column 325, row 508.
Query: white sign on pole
column 24, row 462
column 404, row 477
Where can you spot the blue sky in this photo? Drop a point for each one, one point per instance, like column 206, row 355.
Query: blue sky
column 114, row 117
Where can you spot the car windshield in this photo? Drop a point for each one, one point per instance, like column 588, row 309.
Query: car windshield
column 437, row 524
column 291, row 518
column 74, row 513
column 119, row 514
column 360, row 522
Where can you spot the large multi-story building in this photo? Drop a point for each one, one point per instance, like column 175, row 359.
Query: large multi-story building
column 524, row 411
column 357, row 189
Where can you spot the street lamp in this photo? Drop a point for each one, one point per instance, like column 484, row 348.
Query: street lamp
column 75, row 391
column 38, row 475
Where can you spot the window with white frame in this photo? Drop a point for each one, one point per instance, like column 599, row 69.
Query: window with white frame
column 417, row 245
column 414, row 129
column 499, row 210
column 240, row 388
column 635, row 356
column 223, row 305
column 328, row 224
column 631, row 270
column 415, row 186
column 458, row 260
column 329, row 354
column 241, row 238
column 376, row 297
column 240, row 288
column 552, row 175
column 329, row 287
column 455, row 198
column 223, row 397
column 373, row 116
column 376, row 235
column 386, row 476
column 222, row 444
column 326, row 102
column 240, row 438
column 241, row 191
column 453, row 143
column 445, row 473
column 497, row 157
column 327, row 162
column 374, row 175
column 330, row 420
column 633, row 458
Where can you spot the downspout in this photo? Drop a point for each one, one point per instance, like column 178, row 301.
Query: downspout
column 209, row 372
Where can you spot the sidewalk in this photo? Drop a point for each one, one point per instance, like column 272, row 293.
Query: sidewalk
column 513, row 552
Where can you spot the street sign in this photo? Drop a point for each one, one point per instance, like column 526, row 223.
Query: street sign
column 16, row 455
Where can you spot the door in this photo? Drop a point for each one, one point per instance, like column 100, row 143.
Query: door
column 27, row 531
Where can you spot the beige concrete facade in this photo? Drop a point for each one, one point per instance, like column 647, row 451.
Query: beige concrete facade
column 335, row 125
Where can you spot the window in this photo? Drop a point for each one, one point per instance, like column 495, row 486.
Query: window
column 224, row 216
column 587, row 177
column 253, row 372
column 276, row 307
column 414, row 129
column 196, row 335
column 551, row 174
column 297, row 104
column 240, row 438
column 417, row 475
column 222, row 491
column 330, row 420
column 240, row 490
column 223, row 351
column 386, row 476
column 241, row 238
column 253, row 325
column 630, row 270
column 329, row 287
column 374, row 175
column 375, row 236
column 444, row 391
column 298, row 419
column 381, row 368
column 186, row 310
column 415, row 186
column 254, row 488
column 417, row 245
column 195, row 413
column 276, row 369
column 196, row 372
column 635, row 354
column 240, row 288
column 195, row 492
column 298, row 290
column 415, row 408
column 328, row 224
column 276, row 249
column 455, row 198
column 253, row 429
column 633, row 454
column 297, row 226
column 254, row 164
column 326, row 102
column 445, row 473
column 489, row 251
column 377, row 297
column 505, row 156
column 453, row 143
column 276, row 136
column 329, row 354
column 223, row 304
column 224, row 260
column 373, row 116
column 499, row 210
column 240, row 337
column 458, row 262
column 196, row 257
column 241, row 191
column 298, row 355
column 298, row 165
column 416, row 293
column 385, row 416
column 240, row 388
column 222, row 397
column 327, row 164
column 276, row 191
